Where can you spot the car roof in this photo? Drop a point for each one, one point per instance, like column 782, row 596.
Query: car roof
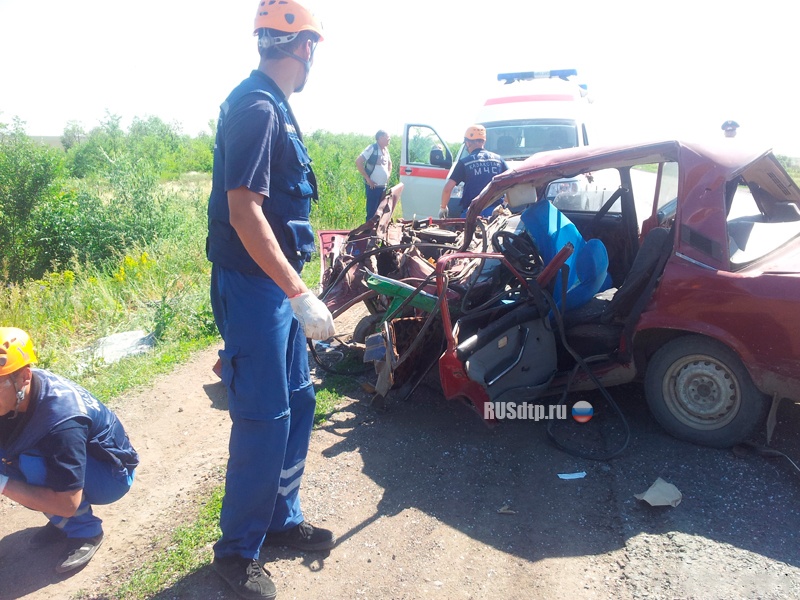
column 725, row 160
column 730, row 158
column 704, row 169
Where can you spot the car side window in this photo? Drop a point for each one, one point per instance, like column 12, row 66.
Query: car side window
column 600, row 187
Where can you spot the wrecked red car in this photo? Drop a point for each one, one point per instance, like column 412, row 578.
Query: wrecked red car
column 686, row 278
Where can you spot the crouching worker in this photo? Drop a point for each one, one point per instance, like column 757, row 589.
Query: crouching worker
column 61, row 451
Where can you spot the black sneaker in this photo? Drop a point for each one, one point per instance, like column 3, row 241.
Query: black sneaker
column 79, row 552
column 46, row 536
column 303, row 537
column 247, row 578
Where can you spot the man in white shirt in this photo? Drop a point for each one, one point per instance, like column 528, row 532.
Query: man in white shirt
column 375, row 166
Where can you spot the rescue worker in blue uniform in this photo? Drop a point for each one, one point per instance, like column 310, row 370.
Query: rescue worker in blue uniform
column 475, row 171
column 259, row 238
column 61, row 451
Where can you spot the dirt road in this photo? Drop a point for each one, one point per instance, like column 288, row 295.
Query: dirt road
column 429, row 503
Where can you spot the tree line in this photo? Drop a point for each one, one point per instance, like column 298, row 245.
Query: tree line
column 106, row 189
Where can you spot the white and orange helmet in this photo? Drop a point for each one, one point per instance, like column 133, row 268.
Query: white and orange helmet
column 287, row 16
column 475, row 132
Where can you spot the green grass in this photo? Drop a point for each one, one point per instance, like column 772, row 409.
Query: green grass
column 187, row 552
column 161, row 287
column 188, row 548
column 334, row 389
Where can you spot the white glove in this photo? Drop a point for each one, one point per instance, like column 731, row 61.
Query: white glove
column 444, row 212
column 315, row 318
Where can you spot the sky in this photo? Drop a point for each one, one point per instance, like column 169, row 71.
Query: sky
column 655, row 70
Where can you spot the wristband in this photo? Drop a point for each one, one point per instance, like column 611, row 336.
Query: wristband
column 3, row 482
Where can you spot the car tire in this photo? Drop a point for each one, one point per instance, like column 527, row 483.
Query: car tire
column 699, row 391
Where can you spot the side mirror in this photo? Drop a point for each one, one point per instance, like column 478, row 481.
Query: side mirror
column 439, row 159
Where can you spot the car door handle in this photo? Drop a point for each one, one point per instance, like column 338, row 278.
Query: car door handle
column 408, row 170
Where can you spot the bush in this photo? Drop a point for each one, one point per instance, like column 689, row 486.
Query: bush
column 152, row 140
column 114, row 201
column 160, row 286
column 96, row 153
column 29, row 177
column 791, row 165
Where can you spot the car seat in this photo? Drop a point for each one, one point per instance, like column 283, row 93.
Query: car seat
column 559, row 138
column 588, row 265
column 506, row 145
column 591, row 274
column 595, row 327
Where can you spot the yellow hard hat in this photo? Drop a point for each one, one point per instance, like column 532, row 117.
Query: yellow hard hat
column 286, row 15
column 475, row 132
column 16, row 350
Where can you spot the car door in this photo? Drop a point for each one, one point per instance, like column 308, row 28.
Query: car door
column 425, row 161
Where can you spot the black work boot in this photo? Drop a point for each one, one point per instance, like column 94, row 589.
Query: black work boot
column 303, row 537
column 246, row 577
column 79, row 552
column 47, row 536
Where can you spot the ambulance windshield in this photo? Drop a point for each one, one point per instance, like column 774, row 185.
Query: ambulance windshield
column 518, row 139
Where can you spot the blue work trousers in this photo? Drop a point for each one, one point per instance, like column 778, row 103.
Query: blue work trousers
column 103, row 484
column 271, row 401
column 374, row 197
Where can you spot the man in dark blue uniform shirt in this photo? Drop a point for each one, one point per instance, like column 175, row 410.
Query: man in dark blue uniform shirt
column 475, row 171
column 259, row 238
column 61, row 451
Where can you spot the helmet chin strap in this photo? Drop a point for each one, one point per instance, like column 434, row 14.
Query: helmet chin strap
column 20, row 398
column 306, row 65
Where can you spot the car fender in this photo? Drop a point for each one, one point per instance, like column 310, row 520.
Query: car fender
column 653, row 331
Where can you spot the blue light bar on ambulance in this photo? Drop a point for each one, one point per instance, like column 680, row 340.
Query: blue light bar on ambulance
column 528, row 75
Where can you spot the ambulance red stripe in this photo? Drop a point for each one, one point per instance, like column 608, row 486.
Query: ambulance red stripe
column 432, row 173
column 535, row 98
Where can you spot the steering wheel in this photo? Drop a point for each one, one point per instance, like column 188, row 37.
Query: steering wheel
column 520, row 251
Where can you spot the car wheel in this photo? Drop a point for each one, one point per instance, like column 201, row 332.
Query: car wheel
column 699, row 391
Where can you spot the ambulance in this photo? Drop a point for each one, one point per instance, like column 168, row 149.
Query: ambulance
column 529, row 112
